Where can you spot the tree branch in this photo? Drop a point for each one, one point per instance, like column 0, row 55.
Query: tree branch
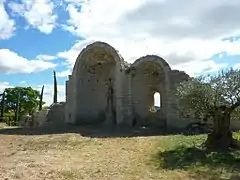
column 234, row 106
column 209, row 113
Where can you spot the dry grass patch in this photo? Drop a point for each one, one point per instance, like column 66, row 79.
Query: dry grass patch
column 71, row 156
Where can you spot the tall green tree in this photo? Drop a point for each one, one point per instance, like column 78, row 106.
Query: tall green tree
column 215, row 97
column 41, row 99
column 55, row 87
column 28, row 100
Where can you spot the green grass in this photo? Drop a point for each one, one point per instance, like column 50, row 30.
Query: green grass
column 186, row 153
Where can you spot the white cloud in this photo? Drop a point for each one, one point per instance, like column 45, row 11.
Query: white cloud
column 63, row 73
column 11, row 62
column 4, row 85
column 48, row 93
column 23, row 82
column 236, row 66
column 72, row 54
column 7, row 25
column 39, row 14
column 187, row 34
column 200, row 66
column 44, row 57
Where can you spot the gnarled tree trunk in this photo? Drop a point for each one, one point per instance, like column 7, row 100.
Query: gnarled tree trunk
column 221, row 136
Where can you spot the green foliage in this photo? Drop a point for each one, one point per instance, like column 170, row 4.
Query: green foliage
column 204, row 93
column 28, row 100
column 55, row 87
column 195, row 95
column 9, row 118
column 236, row 115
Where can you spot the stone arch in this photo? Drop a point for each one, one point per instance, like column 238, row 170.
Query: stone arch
column 97, row 65
column 97, row 45
column 154, row 59
column 150, row 74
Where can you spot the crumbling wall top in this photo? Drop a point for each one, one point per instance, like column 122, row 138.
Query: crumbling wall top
column 154, row 59
column 179, row 76
column 95, row 46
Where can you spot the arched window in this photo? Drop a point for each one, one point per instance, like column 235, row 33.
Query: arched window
column 157, row 99
column 156, row 102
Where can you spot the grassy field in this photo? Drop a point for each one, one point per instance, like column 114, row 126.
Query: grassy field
column 27, row 154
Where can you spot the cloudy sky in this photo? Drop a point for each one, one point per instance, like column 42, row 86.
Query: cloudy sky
column 39, row 36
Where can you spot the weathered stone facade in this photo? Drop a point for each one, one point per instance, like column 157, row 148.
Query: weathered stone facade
column 104, row 88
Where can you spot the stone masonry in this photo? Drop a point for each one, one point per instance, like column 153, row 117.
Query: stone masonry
column 104, row 88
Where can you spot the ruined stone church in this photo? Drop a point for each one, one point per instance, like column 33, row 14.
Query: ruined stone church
column 104, row 88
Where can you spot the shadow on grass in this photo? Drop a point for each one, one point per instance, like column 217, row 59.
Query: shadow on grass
column 205, row 164
column 98, row 131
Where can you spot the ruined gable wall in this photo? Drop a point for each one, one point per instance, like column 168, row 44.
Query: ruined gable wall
column 80, row 90
column 145, row 85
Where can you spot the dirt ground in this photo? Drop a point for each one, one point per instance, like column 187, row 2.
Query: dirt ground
column 72, row 156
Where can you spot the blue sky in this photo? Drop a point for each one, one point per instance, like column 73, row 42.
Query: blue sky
column 37, row 37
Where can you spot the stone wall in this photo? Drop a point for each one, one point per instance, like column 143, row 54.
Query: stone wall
column 39, row 117
column 127, row 107
column 134, row 87
column 150, row 75
column 56, row 114
column 92, row 91
column 176, row 78
column 96, row 66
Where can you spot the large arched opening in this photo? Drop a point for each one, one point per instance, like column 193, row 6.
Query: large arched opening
column 149, row 90
column 95, row 74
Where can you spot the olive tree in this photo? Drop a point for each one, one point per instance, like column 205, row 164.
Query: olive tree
column 217, row 97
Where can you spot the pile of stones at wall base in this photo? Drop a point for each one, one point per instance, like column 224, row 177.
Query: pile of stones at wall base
column 54, row 115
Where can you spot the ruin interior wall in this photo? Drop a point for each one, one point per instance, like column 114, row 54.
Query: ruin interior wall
column 96, row 66
column 92, row 91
